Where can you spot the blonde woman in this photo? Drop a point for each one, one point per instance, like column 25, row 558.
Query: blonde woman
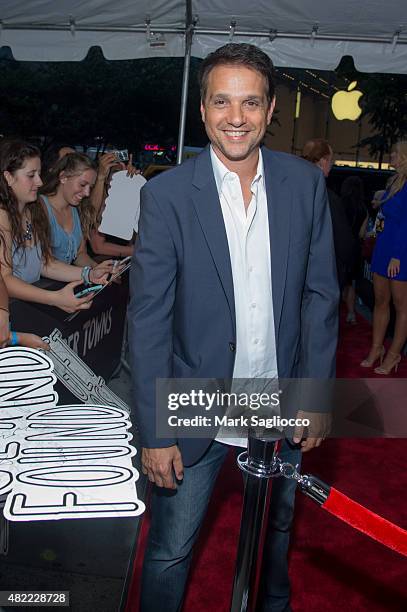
column 389, row 267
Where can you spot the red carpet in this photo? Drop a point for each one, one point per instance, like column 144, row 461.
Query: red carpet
column 332, row 566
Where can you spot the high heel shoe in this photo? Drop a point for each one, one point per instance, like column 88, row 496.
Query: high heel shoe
column 378, row 354
column 386, row 369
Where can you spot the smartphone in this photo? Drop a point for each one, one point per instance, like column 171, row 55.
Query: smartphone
column 122, row 156
column 88, row 290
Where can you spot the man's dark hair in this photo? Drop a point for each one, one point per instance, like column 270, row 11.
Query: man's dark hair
column 238, row 54
column 316, row 149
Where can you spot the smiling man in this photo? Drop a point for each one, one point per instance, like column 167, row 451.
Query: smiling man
column 233, row 277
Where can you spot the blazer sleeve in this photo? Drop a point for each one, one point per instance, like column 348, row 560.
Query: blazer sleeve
column 319, row 309
column 150, row 315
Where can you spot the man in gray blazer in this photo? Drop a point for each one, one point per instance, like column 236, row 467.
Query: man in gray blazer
column 233, row 276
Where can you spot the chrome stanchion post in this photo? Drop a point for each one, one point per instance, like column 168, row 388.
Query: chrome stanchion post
column 259, row 466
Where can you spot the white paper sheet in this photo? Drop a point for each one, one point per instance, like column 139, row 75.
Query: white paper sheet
column 122, row 211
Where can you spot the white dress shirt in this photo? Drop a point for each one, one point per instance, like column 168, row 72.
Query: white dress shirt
column 249, row 247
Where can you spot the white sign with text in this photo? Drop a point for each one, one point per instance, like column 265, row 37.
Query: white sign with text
column 60, row 461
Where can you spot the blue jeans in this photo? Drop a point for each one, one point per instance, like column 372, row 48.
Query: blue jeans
column 177, row 517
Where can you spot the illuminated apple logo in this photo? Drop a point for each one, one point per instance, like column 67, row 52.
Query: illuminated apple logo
column 345, row 104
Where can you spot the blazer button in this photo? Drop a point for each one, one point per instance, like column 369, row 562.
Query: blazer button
column 232, row 346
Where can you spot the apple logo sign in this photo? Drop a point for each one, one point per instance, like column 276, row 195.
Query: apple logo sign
column 345, row 104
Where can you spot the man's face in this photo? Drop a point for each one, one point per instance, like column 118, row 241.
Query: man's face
column 236, row 111
column 326, row 163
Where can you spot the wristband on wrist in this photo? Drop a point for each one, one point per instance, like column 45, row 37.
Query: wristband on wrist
column 13, row 339
column 85, row 275
column 5, row 309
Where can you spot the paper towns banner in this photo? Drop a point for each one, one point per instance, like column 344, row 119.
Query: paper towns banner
column 60, row 462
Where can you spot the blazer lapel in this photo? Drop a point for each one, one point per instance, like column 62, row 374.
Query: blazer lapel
column 279, row 204
column 209, row 212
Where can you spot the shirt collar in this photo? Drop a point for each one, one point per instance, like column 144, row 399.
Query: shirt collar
column 220, row 171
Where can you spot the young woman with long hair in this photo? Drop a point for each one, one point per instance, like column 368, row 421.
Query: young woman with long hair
column 25, row 250
column 66, row 199
column 389, row 267
column 68, row 218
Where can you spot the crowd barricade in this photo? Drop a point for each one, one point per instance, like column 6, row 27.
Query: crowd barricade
column 96, row 334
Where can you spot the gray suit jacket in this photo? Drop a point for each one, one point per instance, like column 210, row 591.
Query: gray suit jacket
column 181, row 313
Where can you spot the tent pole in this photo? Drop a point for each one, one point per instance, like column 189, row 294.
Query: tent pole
column 189, row 30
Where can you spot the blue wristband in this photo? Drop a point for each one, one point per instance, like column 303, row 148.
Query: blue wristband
column 14, row 339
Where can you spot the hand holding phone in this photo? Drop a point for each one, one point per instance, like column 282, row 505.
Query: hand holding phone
column 122, row 155
column 88, row 290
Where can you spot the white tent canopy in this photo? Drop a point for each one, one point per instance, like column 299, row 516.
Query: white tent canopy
column 295, row 33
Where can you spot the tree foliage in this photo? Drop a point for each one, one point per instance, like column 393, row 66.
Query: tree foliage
column 385, row 104
column 124, row 103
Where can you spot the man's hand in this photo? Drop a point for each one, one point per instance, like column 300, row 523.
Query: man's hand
column 160, row 465
column 318, row 429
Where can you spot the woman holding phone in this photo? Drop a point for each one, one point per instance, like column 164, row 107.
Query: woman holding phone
column 25, row 249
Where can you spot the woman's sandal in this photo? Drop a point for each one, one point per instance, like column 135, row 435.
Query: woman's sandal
column 387, row 368
column 376, row 353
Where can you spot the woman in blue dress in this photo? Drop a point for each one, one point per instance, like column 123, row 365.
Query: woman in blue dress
column 389, row 267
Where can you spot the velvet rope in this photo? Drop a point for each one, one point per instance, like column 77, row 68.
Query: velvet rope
column 366, row 521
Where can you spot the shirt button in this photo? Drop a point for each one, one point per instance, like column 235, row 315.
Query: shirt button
column 256, row 341
column 250, row 268
column 253, row 304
